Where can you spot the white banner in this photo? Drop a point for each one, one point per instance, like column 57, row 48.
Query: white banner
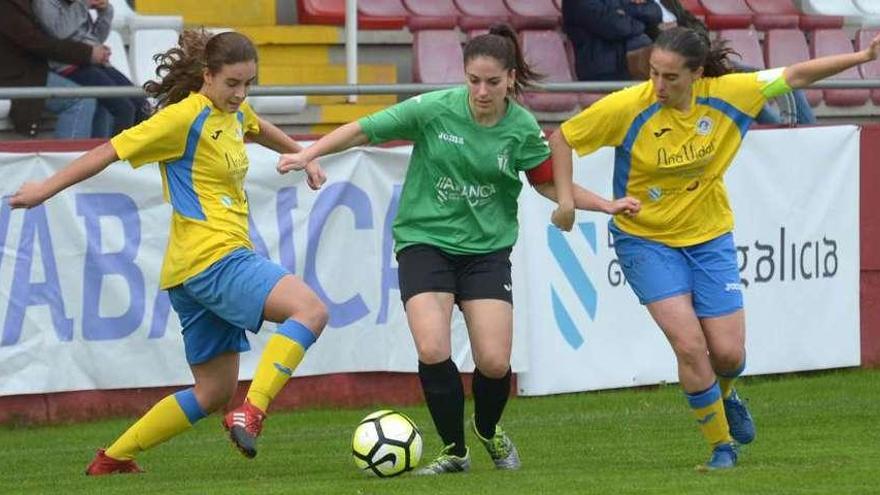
column 79, row 301
column 80, row 307
column 795, row 194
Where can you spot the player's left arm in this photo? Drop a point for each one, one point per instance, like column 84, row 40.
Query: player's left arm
column 541, row 178
column 805, row 73
column 275, row 139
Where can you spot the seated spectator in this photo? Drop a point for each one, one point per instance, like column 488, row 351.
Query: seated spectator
column 24, row 53
column 606, row 33
column 674, row 14
column 70, row 20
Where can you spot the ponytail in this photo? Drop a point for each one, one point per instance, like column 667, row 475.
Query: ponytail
column 698, row 50
column 502, row 44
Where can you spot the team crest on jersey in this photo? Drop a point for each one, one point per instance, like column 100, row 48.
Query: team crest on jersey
column 704, row 126
column 503, row 158
column 655, row 193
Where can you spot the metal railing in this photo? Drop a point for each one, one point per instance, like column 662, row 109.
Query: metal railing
column 786, row 102
column 367, row 89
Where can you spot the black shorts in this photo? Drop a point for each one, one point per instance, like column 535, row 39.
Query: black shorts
column 424, row 268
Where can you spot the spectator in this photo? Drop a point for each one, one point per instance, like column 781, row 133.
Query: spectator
column 70, row 20
column 24, row 51
column 605, row 33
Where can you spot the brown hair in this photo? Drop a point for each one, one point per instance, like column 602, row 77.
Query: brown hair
column 180, row 68
column 502, row 45
column 697, row 50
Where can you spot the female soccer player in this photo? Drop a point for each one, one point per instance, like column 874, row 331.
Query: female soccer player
column 455, row 228
column 217, row 285
column 675, row 136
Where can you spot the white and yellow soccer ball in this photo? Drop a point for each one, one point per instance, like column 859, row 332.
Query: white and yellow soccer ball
column 386, row 443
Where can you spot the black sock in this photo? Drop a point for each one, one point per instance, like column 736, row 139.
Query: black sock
column 490, row 397
column 444, row 395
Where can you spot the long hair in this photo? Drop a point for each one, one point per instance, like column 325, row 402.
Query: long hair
column 502, row 45
column 181, row 68
column 697, row 49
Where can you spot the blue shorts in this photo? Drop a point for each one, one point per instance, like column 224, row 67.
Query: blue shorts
column 707, row 271
column 216, row 306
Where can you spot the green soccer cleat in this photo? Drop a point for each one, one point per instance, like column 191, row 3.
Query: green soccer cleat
column 500, row 448
column 446, row 463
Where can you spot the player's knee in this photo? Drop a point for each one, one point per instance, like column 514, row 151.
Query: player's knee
column 432, row 352
column 689, row 351
column 727, row 360
column 494, row 368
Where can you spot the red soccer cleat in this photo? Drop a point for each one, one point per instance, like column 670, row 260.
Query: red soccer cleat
column 244, row 425
column 102, row 464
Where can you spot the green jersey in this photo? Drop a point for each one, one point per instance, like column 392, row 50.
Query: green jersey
column 461, row 187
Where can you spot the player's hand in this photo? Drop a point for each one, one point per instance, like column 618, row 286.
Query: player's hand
column 291, row 161
column 628, row 206
column 563, row 217
column 315, row 176
column 873, row 50
column 30, row 194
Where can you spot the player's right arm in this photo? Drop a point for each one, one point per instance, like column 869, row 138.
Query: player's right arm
column 341, row 138
column 34, row 193
column 396, row 122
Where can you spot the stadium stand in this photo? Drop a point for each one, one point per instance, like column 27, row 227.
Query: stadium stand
column 784, row 47
column 533, row 14
column 727, row 14
column 431, row 14
column 145, row 43
column 437, row 57
column 829, row 42
column 541, row 50
column 870, row 7
column 392, row 10
column 126, row 20
column 870, row 70
column 481, row 15
column 5, row 123
column 214, row 12
column 769, row 12
column 747, row 44
column 846, row 8
column 118, row 54
column 371, row 14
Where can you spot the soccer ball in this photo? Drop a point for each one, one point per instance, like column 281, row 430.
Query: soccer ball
column 386, row 443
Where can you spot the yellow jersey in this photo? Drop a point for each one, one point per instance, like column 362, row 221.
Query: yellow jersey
column 674, row 161
column 202, row 159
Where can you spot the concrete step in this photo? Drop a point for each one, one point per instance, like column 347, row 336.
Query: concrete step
column 213, row 12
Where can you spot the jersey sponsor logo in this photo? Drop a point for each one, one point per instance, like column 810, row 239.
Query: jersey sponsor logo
column 216, row 134
column 662, row 131
column 704, row 126
column 686, row 155
column 474, row 194
column 449, row 138
column 578, row 279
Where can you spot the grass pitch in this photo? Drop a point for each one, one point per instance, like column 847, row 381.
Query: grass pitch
column 817, row 434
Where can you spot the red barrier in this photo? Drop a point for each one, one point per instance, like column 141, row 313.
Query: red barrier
column 869, row 230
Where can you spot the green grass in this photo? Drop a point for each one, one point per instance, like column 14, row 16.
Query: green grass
column 817, row 434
